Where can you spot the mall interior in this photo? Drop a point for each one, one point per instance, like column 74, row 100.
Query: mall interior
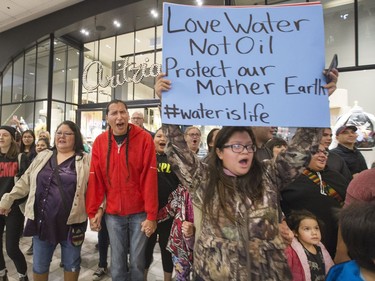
column 50, row 51
column 47, row 59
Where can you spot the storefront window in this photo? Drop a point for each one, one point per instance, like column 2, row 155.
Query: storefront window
column 125, row 45
column 18, row 79
column 42, row 68
column 339, row 31
column 145, row 40
column 92, row 124
column 72, row 71
column 23, row 112
column 366, row 32
column 57, row 116
column 30, row 74
column 59, row 70
column 40, row 116
column 7, row 85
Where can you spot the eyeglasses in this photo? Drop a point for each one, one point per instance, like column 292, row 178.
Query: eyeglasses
column 65, row 134
column 192, row 135
column 324, row 152
column 238, row 148
column 136, row 118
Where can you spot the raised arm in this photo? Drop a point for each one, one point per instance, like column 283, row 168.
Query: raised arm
column 290, row 165
column 184, row 162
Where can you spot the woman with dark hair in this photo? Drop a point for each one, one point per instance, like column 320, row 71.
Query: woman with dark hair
column 211, row 138
column 276, row 145
column 167, row 183
column 55, row 184
column 13, row 222
column 239, row 199
column 28, row 144
column 320, row 191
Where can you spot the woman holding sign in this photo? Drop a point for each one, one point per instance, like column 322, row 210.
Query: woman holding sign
column 239, row 199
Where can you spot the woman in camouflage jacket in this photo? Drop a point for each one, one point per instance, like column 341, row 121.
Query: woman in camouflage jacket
column 239, row 200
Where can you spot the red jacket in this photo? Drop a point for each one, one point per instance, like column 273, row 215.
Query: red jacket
column 128, row 189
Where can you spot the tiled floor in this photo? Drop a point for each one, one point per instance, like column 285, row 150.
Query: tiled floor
column 89, row 263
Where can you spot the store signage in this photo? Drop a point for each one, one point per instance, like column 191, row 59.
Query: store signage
column 127, row 72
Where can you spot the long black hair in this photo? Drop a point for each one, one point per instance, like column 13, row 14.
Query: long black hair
column 32, row 153
column 249, row 185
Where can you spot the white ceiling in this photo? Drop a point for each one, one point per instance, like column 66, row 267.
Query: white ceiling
column 17, row 12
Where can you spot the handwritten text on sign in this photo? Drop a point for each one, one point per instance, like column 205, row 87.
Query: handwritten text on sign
column 244, row 66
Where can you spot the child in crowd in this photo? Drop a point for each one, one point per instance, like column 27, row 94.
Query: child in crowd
column 308, row 259
column 42, row 144
column 181, row 238
column 277, row 145
column 357, row 222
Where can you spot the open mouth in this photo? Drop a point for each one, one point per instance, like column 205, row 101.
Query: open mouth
column 120, row 125
column 244, row 161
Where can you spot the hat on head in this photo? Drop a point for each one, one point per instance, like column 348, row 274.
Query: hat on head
column 11, row 130
column 345, row 127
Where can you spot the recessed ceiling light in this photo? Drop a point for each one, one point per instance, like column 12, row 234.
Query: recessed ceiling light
column 199, row 2
column 154, row 13
column 116, row 23
column 85, row 32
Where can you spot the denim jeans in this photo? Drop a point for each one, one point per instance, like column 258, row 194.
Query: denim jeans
column 43, row 252
column 126, row 237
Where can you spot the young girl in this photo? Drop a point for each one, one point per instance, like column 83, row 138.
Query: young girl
column 308, row 259
column 42, row 144
column 167, row 183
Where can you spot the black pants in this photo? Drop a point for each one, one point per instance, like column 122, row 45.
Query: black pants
column 103, row 243
column 14, row 227
column 163, row 229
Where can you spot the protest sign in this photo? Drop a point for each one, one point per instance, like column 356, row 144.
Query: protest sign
column 241, row 66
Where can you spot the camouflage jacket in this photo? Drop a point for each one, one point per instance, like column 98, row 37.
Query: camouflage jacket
column 252, row 250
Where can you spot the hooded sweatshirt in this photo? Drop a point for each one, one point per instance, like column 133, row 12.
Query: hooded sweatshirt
column 129, row 186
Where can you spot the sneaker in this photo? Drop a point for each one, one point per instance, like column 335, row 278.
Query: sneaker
column 29, row 251
column 99, row 273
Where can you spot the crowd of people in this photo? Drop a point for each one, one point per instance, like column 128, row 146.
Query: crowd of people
column 256, row 207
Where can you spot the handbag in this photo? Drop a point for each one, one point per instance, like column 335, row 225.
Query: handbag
column 76, row 233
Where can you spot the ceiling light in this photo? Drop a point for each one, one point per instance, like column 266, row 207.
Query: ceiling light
column 199, row 2
column 154, row 13
column 85, row 32
column 116, row 23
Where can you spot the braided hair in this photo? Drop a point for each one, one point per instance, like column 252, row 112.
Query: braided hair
column 115, row 101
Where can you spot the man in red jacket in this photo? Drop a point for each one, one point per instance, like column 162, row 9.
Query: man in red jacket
column 123, row 174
